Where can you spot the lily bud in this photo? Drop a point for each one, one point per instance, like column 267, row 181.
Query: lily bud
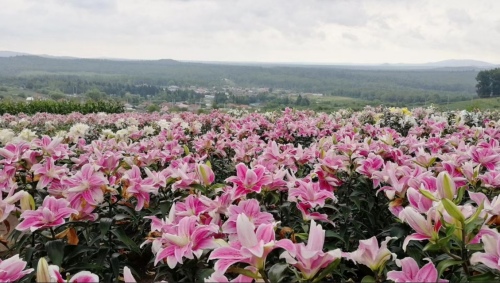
column 453, row 210
column 446, row 186
column 27, row 202
column 205, row 174
column 42, row 271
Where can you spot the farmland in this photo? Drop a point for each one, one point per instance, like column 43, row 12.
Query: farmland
column 381, row 194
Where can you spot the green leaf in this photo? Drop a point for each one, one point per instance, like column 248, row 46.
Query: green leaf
column 29, row 253
column 204, row 273
column 331, row 234
column 76, row 250
column 199, row 187
column 476, row 214
column 276, row 272
column 217, row 186
column 486, row 277
column 55, row 251
column 443, row 265
column 115, row 265
column 460, row 194
column 242, row 271
column 85, row 266
column 368, row 278
column 120, row 234
column 475, row 247
column 104, row 225
column 328, row 270
column 431, row 247
column 302, row 236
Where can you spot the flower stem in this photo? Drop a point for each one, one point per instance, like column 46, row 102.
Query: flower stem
column 264, row 275
column 53, row 233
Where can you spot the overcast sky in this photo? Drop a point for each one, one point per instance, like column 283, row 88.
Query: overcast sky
column 321, row 31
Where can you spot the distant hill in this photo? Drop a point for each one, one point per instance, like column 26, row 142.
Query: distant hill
column 11, row 54
column 460, row 63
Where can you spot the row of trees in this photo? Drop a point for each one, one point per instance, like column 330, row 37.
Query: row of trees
column 488, row 83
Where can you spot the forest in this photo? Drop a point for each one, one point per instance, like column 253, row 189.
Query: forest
column 116, row 78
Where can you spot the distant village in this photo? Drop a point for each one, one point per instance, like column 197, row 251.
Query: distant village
column 208, row 97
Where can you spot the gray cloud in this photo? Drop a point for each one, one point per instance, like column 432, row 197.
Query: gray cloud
column 258, row 30
column 460, row 17
column 349, row 36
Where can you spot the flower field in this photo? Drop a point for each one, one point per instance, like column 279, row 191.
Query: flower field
column 378, row 195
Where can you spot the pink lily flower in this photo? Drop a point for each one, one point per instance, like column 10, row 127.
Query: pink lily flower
column 252, row 246
column 13, row 269
column 127, row 275
column 47, row 172
column 310, row 258
column 192, row 206
column 249, row 180
column 396, row 176
column 418, row 201
column 251, row 208
column 490, row 179
column 7, row 205
column 189, row 240
column 12, row 153
column 491, row 207
column 485, row 156
column 306, row 215
column 6, row 177
column 136, row 187
column 50, row 214
column 86, row 184
column 327, row 181
column 311, row 193
column 52, row 147
column 369, row 253
column 370, row 165
column 424, row 227
column 491, row 255
column 219, row 277
column 411, row 272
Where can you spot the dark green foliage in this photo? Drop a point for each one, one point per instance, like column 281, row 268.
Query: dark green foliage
column 60, row 107
column 488, row 83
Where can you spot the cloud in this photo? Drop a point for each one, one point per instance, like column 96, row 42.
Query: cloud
column 349, row 36
column 459, row 16
column 368, row 31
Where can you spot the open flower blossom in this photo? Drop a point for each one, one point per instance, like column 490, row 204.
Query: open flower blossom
column 369, row 253
column 86, row 185
column 252, row 247
column 491, row 255
column 412, row 273
column 13, row 269
column 310, row 258
column 310, row 192
column 249, row 180
column 50, row 273
column 425, row 229
column 251, row 208
column 7, row 205
column 47, row 172
column 135, row 186
column 189, row 240
column 50, row 214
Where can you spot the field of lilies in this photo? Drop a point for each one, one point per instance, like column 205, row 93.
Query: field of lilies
column 378, row 195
